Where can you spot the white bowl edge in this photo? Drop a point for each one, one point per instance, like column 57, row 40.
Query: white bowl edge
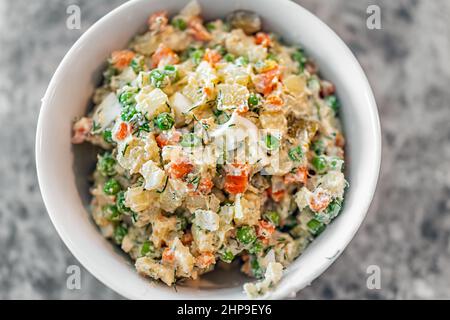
column 306, row 269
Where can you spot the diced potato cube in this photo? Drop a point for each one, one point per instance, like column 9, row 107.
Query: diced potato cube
column 204, row 240
column 247, row 209
column 207, row 219
column 184, row 261
column 295, row 84
column 194, row 92
column 226, row 214
column 273, row 120
column 333, row 182
column 163, row 228
column 181, row 105
column 153, row 175
column 151, row 103
column 239, row 44
column 122, row 79
column 133, row 153
column 173, row 195
column 206, row 75
column 231, row 73
column 107, row 111
column 171, row 153
column 138, row 199
column 232, row 96
column 302, row 198
column 148, row 267
column 200, row 201
column 127, row 244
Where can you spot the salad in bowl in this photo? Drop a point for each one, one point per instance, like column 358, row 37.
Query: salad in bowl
column 218, row 143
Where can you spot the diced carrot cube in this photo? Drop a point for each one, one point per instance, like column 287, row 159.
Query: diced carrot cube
column 266, row 82
column 205, row 259
column 124, row 130
column 263, row 39
column 168, row 255
column 198, row 31
column 212, row 56
column 277, row 196
column 180, row 168
column 236, row 180
column 299, row 175
column 164, row 54
column 163, row 139
column 319, row 201
column 122, row 59
column 205, row 186
column 264, row 230
column 158, row 20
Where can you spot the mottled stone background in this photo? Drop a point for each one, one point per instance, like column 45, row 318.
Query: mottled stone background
column 407, row 230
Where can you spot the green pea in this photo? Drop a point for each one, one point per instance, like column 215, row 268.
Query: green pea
column 171, row 72
column 119, row 233
column 107, row 136
column 120, row 203
column 256, row 247
column 246, row 234
column 333, row 103
column 157, row 78
column 112, row 187
column 299, row 56
column 210, row 26
column 127, row 98
column 253, row 100
column 147, row 247
column 111, row 213
column 296, row 153
column 179, row 23
column 319, row 163
column 316, row 227
column 106, row 165
column 164, row 121
column 228, row 57
column 128, row 112
column 257, row 271
column 272, row 142
column 169, row 68
column 227, row 256
column 273, row 217
column 197, row 55
column 190, row 140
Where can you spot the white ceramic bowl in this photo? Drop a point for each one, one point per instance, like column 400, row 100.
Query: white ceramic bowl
column 63, row 172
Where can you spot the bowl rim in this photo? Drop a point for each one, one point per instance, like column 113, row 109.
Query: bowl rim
column 275, row 294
